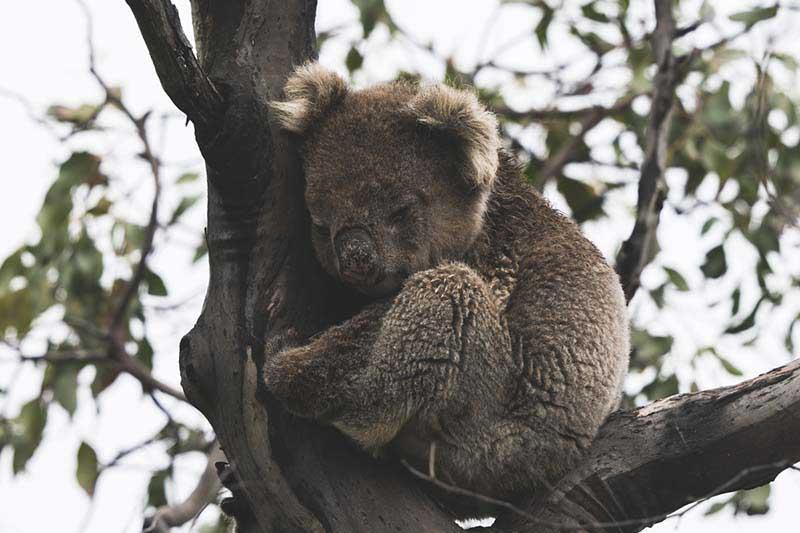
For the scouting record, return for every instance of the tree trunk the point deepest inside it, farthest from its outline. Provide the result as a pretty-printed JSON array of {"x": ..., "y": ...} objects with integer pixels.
[{"x": 293, "y": 475}]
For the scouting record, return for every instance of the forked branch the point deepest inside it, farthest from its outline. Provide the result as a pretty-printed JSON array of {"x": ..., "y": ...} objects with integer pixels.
[{"x": 176, "y": 64}]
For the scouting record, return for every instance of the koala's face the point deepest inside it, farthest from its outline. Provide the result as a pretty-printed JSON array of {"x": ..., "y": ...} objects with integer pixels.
[{"x": 394, "y": 180}]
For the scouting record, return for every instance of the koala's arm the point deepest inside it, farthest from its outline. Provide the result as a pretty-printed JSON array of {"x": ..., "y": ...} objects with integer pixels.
[
  {"x": 308, "y": 377},
  {"x": 370, "y": 375}
]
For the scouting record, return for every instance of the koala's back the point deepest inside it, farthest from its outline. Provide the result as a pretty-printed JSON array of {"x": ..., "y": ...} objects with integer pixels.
[
  {"x": 566, "y": 319},
  {"x": 563, "y": 299}
]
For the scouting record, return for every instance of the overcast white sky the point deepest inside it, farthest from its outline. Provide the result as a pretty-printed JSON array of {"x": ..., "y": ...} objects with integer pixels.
[{"x": 44, "y": 59}]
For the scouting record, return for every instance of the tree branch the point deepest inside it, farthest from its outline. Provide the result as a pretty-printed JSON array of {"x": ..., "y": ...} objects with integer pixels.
[
  {"x": 544, "y": 115},
  {"x": 205, "y": 491},
  {"x": 124, "y": 363},
  {"x": 648, "y": 462},
  {"x": 292, "y": 475},
  {"x": 176, "y": 65},
  {"x": 637, "y": 250}
]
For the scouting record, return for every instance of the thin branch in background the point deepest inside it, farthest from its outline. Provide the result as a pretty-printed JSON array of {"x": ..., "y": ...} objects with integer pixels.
[
  {"x": 76, "y": 356},
  {"x": 638, "y": 249},
  {"x": 117, "y": 351},
  {"x": 30, "y": 110},
  {"x": 127, "y": 451},
  {"x": 206, "y": 490},
  {"x": 566, "y": 115},
  {"x": 555, "y": 164}
]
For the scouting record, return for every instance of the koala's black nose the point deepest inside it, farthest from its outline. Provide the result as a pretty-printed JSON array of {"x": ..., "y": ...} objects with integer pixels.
[{"x": 358, "y": 256}]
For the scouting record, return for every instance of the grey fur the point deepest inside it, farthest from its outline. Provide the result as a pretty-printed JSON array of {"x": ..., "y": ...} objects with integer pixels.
[{"x": 498, "y": 332}]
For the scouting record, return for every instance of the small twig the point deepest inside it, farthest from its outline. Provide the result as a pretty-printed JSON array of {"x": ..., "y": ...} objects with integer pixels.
[
  {"x": 124, "y": 363},
  {"x": 126, "y": 452},
  {"x": 116, "y": 350},
  {"x": 30, "y": 110},
  {"x": 76, "y": 356},
  {"x": 563, "y": 115},
  {"x": 204, "y": 493},
  {"x": 136, "y": 369}
]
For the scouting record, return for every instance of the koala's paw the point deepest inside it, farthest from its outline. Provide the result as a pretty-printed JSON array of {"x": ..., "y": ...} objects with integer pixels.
[
  {"x": 296, "y": 375},
  {"x": 277, "y": 362}
]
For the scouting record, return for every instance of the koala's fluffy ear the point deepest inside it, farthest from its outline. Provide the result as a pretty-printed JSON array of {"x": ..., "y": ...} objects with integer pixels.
[
  {"x": 459, "y": 115},
  {"x": 310, "y": 93}
]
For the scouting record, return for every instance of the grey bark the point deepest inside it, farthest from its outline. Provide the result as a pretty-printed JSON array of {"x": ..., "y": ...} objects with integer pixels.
[{"x": 293, "y": 475}]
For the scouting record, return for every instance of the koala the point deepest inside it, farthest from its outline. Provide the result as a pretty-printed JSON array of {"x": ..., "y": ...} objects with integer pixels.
[{"x": 494, "y": 340}]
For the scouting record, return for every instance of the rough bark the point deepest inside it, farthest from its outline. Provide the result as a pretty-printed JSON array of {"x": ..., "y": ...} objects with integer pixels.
[{"x": 293, "y": 475}]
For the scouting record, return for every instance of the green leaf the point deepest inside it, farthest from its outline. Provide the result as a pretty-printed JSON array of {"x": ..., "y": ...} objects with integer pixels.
[
  {"x": 65, "y": 387},
  {"x": 144, "y": 353},
  {"x": 590, "y": 11},
  {"x": 582, "y": 199},
  {"x": 155, "y": 285},
  {"x": 354, "y": 60},
  {"x": 88, "y": 469},
  {"x": 133, "y": 238},
  {"x": 649, "y": 349},
  {"x": 752, "y": 502},
  {"x": 188, "y": 177},
  {"x": 788, "y": 341},
  {"x": 657, "y": 295},
  {"x": 200, "y": 252},
  {"x": 676, "y": 279},
  {"x": 101, "y": 208},
  {"x": 717, "y": 507},
  {"x": 726, "y": 364},
  {"x": 748, "y": 322},
  {"x": 543, "y": 25},
  {"x": 753, "y": 16},
  {"x": 708, "y": 225},
  {"x": 29, "y": 426},
  {"x": 23, "y": 451},
  {"x": 103, "y": 378},
  {"x": 372, "y": 12},
  {"x": 736, "y": 298},
  {"x": 661, "y": 388},
  {"x": 716, "y": 265},
  {"x": 593, "y": 41},
  {"x": 156, "y": 488},
  {"x": 729, "y": 367},
  {"x": 184, "y": 205},
  {"x": 80, "y": 116}
]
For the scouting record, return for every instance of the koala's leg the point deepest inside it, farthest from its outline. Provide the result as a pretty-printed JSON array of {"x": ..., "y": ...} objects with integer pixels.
[{"x": 441, "y": 350}]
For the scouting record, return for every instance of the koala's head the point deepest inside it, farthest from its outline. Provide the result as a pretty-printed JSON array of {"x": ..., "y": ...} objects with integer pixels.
[{"x": 397, "y": 176}]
